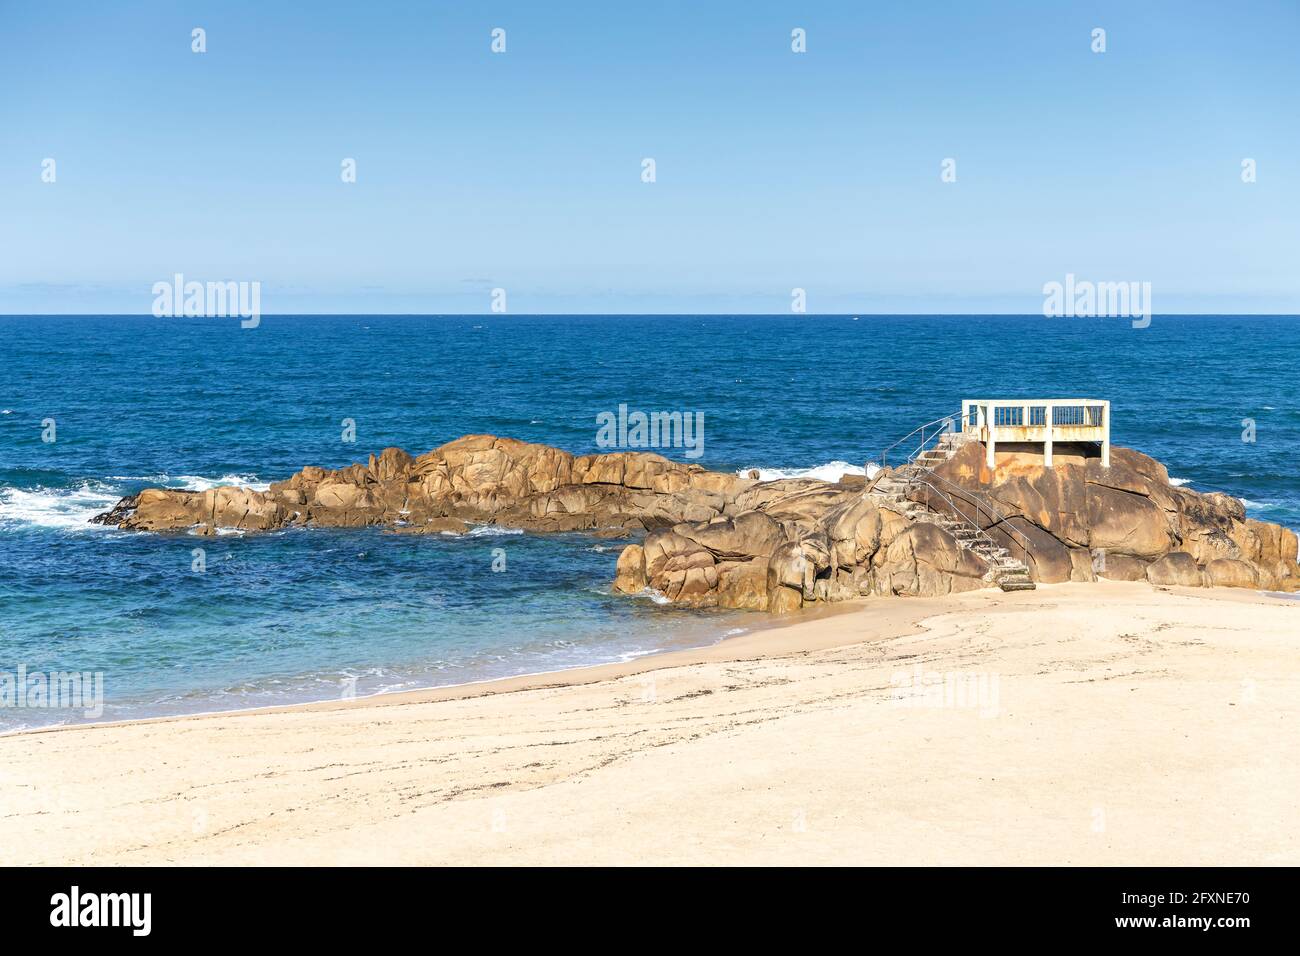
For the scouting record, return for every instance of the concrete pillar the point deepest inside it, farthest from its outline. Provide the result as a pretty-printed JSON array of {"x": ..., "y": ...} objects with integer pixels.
[
  {"x": 1047, "y": 443},
  {"x": 990, "y": 416},
  {"x": 1105, "y": 441}
]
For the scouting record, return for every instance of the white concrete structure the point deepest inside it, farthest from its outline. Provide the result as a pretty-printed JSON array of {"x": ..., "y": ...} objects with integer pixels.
[{"x": 1037, "y": 420}]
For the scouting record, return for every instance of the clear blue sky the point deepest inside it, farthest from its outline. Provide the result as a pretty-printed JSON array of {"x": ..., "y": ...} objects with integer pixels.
[{"x": 775, "y": 170}]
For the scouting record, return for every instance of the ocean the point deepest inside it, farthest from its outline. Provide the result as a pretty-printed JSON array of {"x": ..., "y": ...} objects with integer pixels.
[{"x": 317, "y": 614}]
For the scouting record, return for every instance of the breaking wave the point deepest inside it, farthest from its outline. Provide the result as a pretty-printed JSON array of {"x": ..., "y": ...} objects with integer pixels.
[
  {"x": 71, "y": 508},
  {"x": 831, "y": 471}
]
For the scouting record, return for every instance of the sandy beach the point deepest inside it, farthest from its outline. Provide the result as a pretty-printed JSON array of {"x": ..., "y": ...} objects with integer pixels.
[{"x": 1106, "y": 723}]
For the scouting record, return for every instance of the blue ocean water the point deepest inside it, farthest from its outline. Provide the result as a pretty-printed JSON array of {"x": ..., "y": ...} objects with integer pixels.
[{"x": 311, "y": 614}]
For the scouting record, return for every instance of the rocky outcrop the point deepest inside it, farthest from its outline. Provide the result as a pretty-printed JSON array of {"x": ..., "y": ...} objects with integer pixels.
[
  {"x": 1125, "y": 522},
  {"x": 856, "y": 546},
  {"x": 164, "y": 509},
  {"x": 712, "y": 539},
  {"x": 1074, "y": 522},
  {"x": 475, "y": 479}
]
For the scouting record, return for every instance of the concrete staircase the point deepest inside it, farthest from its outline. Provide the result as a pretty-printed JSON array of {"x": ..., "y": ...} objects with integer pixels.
[{"x": 1005, "y": 570}]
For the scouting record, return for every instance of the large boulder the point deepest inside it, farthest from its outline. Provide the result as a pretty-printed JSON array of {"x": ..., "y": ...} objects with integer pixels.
[
  {"x": 1120, "y": 567},
  {"x": 162, "y": 509},
  {"x": 747, "y": 535},
  {"x": 168, "y": 509},
  {"x": 743, "y": 584},
  {"x": 926, "y": 560},
  {"x": 1231, "y": 573},
  {"x": 629, "y": 573},
  {"x": 1122, "y": 522},
  {"x": 1178, "y": 569}
]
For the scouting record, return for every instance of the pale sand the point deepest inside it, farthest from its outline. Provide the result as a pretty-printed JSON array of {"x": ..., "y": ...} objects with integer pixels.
[{"x": 1130, "y": 726}]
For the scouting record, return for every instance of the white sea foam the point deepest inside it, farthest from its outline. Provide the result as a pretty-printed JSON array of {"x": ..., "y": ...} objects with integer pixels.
[
  {"x": 199, "y": 483},
  {"x": 657, "y": 596},
  {"x": 67, "y": 508},
  {"x": 72, "y": 508},
  {"x": 482, "y": 530},
  {"x": 196, "y": 482},
  {"x": 831, "y": 471},
  {"x": 1179, "y": 482}
]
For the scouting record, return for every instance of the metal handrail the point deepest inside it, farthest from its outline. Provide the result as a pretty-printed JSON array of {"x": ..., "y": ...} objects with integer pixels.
[
  {"x": 978, "y": 530},
  {"x": 948, "y": 420},
  {"x": 980, "y": 503}
]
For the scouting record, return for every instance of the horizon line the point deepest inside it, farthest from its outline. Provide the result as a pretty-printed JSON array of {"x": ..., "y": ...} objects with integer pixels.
[{"x": 615, "y": 315}]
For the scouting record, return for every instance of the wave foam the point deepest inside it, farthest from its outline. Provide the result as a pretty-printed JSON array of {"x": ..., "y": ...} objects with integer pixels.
[
  {"x": 831, "y": 471},
  {"x": 67, "y": 508},
  {"x": 72, "y": 508},
  {"x": 198, "y": 483}
]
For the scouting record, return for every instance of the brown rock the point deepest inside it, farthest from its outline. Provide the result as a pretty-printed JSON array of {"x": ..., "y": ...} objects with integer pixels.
[
  {"x": 1122, "y": 567},
  {"x": 1177, "y": 569},
  {"x": 341, "y": 496},
  {"x": 743, "y": 584},
  {"x": 629, "y": 573},
  {"x": 784, "y": 600},
  {"x": 712, "y": 538},
  {"x": 925, "y": 560},
  {"x": 1125, "y": 523},
  {"x": 1231, "y": 573},
  {"x": 787, "y": 567},
  {"x": 660, "y": 546},
  {"x": 157, "y": 509},
  {"x": 747, "y": 535}
]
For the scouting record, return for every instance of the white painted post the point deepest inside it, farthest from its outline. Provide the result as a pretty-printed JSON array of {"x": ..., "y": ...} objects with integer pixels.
[
  {"x": 1105, "y": 434},
  {"x": 990, "y": 415},
  {"x": 1047, "y": 443}
]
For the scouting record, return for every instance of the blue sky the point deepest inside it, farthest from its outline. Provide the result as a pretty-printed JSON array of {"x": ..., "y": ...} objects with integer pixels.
[{"x": 775, "y": 170}]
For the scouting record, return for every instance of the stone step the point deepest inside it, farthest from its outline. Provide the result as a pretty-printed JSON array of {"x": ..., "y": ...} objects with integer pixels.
[
  {"x": 1025, "y": 585},
  {"x": 1008, "y": 572}
]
